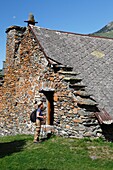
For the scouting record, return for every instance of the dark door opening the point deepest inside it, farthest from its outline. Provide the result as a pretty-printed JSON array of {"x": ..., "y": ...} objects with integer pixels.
[{"x": 50, "y": 105}]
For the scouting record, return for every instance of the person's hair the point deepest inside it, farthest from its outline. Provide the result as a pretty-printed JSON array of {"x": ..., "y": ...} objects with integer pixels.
[
  {"x": 40, "y": 104},
  {"x": 35, "y": 102}
]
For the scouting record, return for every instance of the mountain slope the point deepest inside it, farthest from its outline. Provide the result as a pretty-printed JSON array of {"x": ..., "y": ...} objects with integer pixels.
[{"x": 106, "y": 31}]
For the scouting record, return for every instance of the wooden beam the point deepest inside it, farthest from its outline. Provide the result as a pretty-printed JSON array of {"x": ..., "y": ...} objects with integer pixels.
[{"x": 49, "y": 113}]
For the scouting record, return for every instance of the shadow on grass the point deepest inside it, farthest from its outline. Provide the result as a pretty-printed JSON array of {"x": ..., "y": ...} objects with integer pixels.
[
  {"x": 45, "y": 169},
  {"x": 41, "y": 169},
  {"x": 8, "y": 148},
  {"x": 49, "y": 135}
]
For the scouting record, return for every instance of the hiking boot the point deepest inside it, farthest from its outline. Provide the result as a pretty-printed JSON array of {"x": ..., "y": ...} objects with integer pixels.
[{"x": 36, "y": 142}]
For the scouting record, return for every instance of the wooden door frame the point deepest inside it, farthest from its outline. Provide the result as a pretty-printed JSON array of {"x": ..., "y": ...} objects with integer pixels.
[{"x": 50, "y": 105}]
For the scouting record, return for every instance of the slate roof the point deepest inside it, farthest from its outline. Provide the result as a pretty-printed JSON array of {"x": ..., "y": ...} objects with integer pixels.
[{"x": 91, "y": 56}]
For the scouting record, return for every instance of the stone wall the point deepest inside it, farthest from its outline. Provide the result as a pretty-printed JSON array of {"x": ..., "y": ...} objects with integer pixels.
[
  {"x": 1, "y": 94},
  {"x": 27, "y": 71}
]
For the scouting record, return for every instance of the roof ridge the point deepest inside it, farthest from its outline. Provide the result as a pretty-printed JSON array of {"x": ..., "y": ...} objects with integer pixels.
[{"x": 67, "y": 32}]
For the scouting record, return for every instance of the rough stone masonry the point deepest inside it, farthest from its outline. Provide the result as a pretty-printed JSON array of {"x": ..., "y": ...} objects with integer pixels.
[{"x": 27, "y": 70}]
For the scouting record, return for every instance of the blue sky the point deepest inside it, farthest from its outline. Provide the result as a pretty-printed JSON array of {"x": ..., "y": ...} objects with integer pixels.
[{"x": 79, "y": 16}]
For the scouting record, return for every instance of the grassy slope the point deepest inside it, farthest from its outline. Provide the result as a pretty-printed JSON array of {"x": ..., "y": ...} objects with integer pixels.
[
  {"x": 56, "y": 153},
  {"x": 107, "y": 34},
  {"x": 106, "y": 31}
]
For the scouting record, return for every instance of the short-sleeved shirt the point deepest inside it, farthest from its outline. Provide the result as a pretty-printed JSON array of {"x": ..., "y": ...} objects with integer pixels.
[{"x": 40, "y": 114}]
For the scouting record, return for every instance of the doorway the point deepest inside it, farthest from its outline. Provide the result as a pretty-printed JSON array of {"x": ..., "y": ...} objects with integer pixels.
[{"x": 49, "y": 94}]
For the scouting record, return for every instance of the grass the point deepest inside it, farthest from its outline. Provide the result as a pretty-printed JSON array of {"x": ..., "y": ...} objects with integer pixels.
[
  {"x": 107, "y": 34},
  {"x": 20, "y": 153}
]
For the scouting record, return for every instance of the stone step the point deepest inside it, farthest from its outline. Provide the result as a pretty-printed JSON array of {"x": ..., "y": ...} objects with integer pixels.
[
  {"x": 70, "y": 73},
  {"x": 82, "y": 94},
  {"x": 64, "y": 68},
  {"x": 77, "y": 86},
  {"x": 85, "y": 101},
  {"x": 72, "y": 80},
  {"x": 90, "y": 124},
  {"x": 88, "y": 108}
]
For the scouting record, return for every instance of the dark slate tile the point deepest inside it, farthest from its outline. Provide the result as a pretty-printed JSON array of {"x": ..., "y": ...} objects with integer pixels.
[{"x": 91, "y": 56}]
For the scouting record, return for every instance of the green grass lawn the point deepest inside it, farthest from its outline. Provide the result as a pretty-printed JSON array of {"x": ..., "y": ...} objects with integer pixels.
[{"x": 20, "y": 153}]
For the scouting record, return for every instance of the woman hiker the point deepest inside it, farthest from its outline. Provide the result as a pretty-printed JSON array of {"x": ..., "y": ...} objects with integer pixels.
[{"x": 39, "y": 119}]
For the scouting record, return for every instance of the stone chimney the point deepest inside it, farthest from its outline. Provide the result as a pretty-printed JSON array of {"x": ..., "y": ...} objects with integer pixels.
[{"x": 31, "y": 19}]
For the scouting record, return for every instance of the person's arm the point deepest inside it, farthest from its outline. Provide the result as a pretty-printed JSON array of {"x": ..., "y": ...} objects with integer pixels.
[{"x": 38, "y": 115}]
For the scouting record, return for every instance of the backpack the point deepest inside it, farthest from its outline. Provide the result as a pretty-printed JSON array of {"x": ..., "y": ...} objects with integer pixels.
[{"x": 33, "y": 116}]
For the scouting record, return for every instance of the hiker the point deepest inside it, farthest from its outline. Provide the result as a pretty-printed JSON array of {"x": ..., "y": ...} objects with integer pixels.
[{"x": 39, "y": 119}]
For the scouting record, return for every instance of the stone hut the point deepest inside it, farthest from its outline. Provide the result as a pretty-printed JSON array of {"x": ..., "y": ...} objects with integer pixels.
[{"x": 72, "y": 73}]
